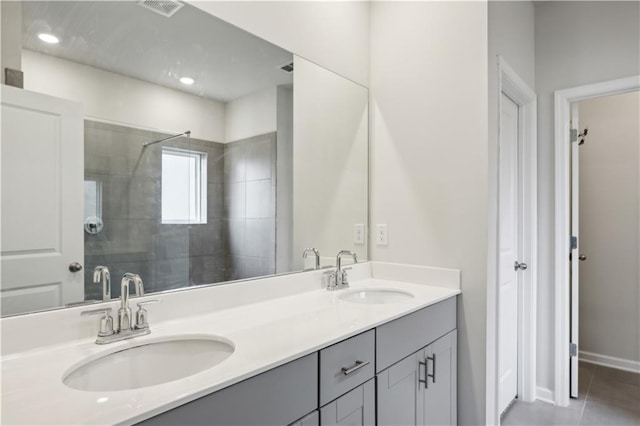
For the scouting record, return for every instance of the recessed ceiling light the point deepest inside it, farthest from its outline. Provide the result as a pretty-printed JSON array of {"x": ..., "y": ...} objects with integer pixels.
[
  {"x": 187, "y": 80},
  {"x": 49, "y": 38}
]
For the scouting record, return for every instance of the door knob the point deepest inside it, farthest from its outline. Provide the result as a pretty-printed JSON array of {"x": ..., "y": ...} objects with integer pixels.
[
  {"x": 522, "y": 266},
  {"x": 75, "y": 267},
  {"x": 582, "y": 257}
]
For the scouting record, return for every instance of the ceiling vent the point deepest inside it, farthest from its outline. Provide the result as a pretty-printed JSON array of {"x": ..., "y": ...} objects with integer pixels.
[
  {"x": 166, "y": 8},
  {"x": 287, "y": 67}
]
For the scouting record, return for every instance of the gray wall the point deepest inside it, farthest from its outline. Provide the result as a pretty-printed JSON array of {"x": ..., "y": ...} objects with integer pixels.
[
  {"x": 133, "y": 238},
  {"x": 250, "y": 207},
  {"x": 576, "y": 43},
  {"x": 609, "y": 227}
]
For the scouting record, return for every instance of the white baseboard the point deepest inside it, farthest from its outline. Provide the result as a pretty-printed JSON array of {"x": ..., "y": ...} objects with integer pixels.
[
  {"x": 610, "y": 361},
  {"x": 545, "y": 395}
]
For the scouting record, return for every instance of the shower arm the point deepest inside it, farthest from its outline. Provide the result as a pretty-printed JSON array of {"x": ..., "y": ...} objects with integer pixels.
[{"x": 187, "y": 133}]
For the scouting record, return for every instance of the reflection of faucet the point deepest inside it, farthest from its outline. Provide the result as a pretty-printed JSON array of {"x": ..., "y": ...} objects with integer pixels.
[
  {"x": 125, "y": 327},
  {"x": 315, "y": 252},
  {"x": 339, "y": 278},
  {"x": 101, "y": 273}
]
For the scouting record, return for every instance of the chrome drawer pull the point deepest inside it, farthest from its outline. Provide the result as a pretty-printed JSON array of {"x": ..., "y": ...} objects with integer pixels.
[{"x": 359, "y": 364}]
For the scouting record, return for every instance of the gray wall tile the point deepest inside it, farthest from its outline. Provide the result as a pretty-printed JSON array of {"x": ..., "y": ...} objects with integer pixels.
[
  {"x": 260, "y": 157},
  {"x": 260, "y": 200},
  {"x": 260, "y": 238},
  {"x": 235, "y": 200},
  {"x": 235, "y": 162}
]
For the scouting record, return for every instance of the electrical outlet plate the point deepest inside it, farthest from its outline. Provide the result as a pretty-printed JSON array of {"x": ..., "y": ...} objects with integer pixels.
[
  {"x": 358, "y": 233},
  {"x": 382, "y": 236}
]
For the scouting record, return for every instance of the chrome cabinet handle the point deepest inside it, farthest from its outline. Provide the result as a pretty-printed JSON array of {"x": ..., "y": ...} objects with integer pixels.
[
  {"x": 582, "y": 257},
  {"x": 359, "y": 364},
  {"x": 433, "y": 375}
]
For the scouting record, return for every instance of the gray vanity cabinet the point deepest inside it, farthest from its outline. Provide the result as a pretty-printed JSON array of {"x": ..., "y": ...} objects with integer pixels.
[
  {"x": 439, "y": 391},
  {"x": 402, "y": 373},
  {"x": 398, "y": 390},
  {"x": 312, "y": 419},
  {"x": 355, "y": 408},
  {"x": 421, "y": 389},
  {"x": 278, "y": 397}
]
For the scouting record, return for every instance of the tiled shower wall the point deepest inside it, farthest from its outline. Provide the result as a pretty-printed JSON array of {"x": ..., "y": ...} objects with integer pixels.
[
  {"x": 238, "y": 240},
  {"x": 250, "y": 207},
  {"x": 134, "y": 239}
]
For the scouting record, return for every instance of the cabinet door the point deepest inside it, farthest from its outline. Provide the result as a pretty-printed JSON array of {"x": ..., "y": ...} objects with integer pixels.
[
  {"x": 398, "y": 389},
  {"x": 354, "y": 408},
  {"x": 439, "y": 405},
  {"x": 312, "y": 419}
]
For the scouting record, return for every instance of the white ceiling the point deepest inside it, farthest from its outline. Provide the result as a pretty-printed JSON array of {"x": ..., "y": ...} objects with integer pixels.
[{"x": 123, "y": 37}]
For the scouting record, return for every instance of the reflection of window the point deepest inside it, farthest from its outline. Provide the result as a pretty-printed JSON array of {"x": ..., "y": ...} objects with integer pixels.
[
  {"x": 184, "y": 186},
  {"x": 92, "y": 198}
]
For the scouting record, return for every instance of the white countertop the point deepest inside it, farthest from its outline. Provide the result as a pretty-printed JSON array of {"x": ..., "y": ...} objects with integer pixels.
[{"x": 265, "y": 335}]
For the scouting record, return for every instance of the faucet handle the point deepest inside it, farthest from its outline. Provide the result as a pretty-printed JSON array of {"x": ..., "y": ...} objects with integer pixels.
[
  {"x": 345, "y": 277},
  {"x": 106, "y": 322},
  {"x": 141, "y": 314},
  {"x": 331, "y": 279}
]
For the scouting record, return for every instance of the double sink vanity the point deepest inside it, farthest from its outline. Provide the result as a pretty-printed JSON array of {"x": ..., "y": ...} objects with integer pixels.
[{"x": 274, "y": 351}]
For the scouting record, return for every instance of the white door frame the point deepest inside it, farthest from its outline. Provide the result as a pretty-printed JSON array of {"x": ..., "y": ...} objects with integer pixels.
[
  {"x": 515, "y": 88},
  {"x": 562, "y": 108}
]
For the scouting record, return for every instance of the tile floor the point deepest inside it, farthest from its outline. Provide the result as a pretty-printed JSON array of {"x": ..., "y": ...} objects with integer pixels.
[{"x": 607, "y": 397}]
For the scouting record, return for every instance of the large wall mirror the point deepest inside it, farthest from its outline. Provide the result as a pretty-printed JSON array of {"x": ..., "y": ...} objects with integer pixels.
[{"x": 165, "y": 142}]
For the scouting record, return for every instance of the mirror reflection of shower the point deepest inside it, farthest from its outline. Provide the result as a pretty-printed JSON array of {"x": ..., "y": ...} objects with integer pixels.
[{"x": 187, "y": 134}]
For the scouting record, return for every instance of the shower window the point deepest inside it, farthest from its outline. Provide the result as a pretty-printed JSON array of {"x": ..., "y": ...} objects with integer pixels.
[{"x": 184, "y": 186}]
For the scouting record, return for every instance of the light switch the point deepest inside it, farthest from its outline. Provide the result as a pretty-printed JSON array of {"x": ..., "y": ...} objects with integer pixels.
[{"x": 382, "y": 236}]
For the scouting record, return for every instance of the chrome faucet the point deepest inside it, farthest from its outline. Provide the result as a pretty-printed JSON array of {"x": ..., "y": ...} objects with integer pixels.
[
  {"x": 126, "y": 327},
  {"x": 124, "y": 313},
  {"x": 101, "y": 274},
  {"x": 338, "y": 279},
  {"x": 315, "y": 252}
]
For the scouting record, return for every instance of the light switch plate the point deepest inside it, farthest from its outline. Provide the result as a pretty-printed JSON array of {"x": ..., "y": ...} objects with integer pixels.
[
  {"x": 382, "y": 236},
  {"x": 358, "y": 233}
]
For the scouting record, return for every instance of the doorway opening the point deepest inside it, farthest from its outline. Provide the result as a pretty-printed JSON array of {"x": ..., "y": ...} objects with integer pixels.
[{"x": 569, "y": 133}]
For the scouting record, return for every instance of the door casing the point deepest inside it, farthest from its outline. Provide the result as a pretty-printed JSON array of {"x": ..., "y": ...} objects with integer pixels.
[
  {"x": 516, "y": 89},
  {"x": 562, "y": 301}
]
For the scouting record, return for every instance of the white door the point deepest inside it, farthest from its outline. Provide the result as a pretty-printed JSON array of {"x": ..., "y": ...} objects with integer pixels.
[
  {"x": 508, "y": 216},
  {"x": 42, "y": 191},
  {"x": 574, "y": 283}
]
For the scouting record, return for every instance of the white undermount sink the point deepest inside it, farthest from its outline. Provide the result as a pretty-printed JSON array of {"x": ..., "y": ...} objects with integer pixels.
[
  {"x": 376, "y": 296},
  {"x": 148, "y": 364}
]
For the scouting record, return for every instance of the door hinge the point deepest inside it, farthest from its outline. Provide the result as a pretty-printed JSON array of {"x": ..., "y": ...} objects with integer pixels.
[
  {"x": 573, "y": 349},
  {"x": 573, "y": 135},
  {"x": 574, "y": 242}
]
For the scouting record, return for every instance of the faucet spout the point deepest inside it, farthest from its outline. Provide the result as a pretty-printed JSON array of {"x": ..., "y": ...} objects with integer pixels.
[
  {"x": 341, "y": 279},
  {"x": 343, "y": 253},
  {"x": 124, "y": 313}
]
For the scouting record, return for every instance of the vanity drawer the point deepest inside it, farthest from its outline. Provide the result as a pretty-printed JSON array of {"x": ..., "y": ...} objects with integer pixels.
[
  {"x": 346, "y": 365},
  {"x": 404, "y": 336}
]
